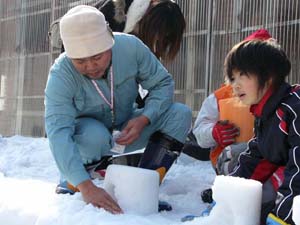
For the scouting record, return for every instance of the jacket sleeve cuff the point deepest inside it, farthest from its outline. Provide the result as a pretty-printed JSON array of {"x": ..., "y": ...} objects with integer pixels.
[
  {"x": 78, "y": 177},
  {"x": 152, "y": 116}
]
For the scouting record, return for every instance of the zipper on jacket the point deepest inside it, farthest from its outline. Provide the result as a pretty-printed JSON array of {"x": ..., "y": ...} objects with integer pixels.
[{"x": 257, "y": 127}]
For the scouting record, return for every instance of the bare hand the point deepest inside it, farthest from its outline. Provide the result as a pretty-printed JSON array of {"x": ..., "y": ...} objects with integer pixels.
[
  {"x": 98, "y": 197},
  {"x": 132, "y": 130}
]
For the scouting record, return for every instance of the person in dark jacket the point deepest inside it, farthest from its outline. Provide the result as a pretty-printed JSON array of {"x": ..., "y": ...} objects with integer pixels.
[{"x": 257, "y": 70}]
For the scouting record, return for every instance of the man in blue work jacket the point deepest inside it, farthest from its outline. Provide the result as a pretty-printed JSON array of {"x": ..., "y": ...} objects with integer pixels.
[{"x": 91, "y": 91}]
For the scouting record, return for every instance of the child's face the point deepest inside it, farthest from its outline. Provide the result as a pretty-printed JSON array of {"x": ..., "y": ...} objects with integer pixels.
[{"x": 246, "y": 87}]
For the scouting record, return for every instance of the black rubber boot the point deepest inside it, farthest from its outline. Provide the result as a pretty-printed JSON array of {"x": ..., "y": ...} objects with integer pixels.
[
  {"x": 164, "y": 206},
  {"x": 98, "y": 169},
  {"x": 160, "y": 153},
  {"x": 193, "y": 149},
  {"x": 206, "y": 195}
]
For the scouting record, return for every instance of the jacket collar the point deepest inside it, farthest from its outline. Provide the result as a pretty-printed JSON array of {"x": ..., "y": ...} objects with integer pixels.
[{"x": 270, "y": 101}]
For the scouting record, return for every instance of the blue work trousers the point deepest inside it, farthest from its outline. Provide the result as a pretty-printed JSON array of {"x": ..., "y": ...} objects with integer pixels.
[{"x": 94, "y": 140}]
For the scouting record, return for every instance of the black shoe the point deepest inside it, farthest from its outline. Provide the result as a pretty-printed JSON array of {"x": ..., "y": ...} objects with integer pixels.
[
  {"x": 164, "y": 206},
  {"x": 206, "y": 196}
]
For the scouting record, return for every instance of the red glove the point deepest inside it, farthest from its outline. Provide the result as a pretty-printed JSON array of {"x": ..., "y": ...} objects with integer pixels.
[{"x": 225, "y": 133}]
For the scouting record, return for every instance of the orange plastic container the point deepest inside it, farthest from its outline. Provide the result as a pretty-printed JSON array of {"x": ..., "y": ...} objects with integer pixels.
[{"x": 237, "y": 113}]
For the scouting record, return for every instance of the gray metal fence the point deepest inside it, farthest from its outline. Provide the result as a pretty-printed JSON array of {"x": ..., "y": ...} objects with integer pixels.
[{"x": 213, "y": 27}]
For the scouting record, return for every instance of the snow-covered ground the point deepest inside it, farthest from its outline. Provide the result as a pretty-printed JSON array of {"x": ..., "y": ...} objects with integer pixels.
[{"x": 28, "y": 177}]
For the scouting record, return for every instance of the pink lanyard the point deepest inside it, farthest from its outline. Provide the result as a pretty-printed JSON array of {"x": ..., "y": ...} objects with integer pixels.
[{"x": 111, "y": 103}]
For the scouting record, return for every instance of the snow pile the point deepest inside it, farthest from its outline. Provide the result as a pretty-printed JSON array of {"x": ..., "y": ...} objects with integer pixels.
[{"x": 28, "y": 176}]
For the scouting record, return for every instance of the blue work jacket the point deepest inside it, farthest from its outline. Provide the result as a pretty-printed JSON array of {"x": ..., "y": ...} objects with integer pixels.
[{"x": 70, "y": 95}]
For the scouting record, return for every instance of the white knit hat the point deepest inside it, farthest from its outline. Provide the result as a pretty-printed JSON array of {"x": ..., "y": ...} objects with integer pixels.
[{"x": 84, "y": 32}]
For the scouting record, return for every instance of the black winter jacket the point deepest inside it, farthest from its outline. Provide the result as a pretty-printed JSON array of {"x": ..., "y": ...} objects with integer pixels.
[{"x": 276, "y": 143}]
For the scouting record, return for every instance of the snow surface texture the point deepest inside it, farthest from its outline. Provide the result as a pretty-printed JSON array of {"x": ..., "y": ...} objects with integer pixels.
[{"x": 28, "y": 177}]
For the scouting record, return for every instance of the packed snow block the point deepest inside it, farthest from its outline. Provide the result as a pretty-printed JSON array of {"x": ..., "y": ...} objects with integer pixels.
[
  {"x": 135, "y": 189},
  {"x": 296, "y": 210},
  {"x": 238, "y": 201},
  {"x": 240, "y": 197}
]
